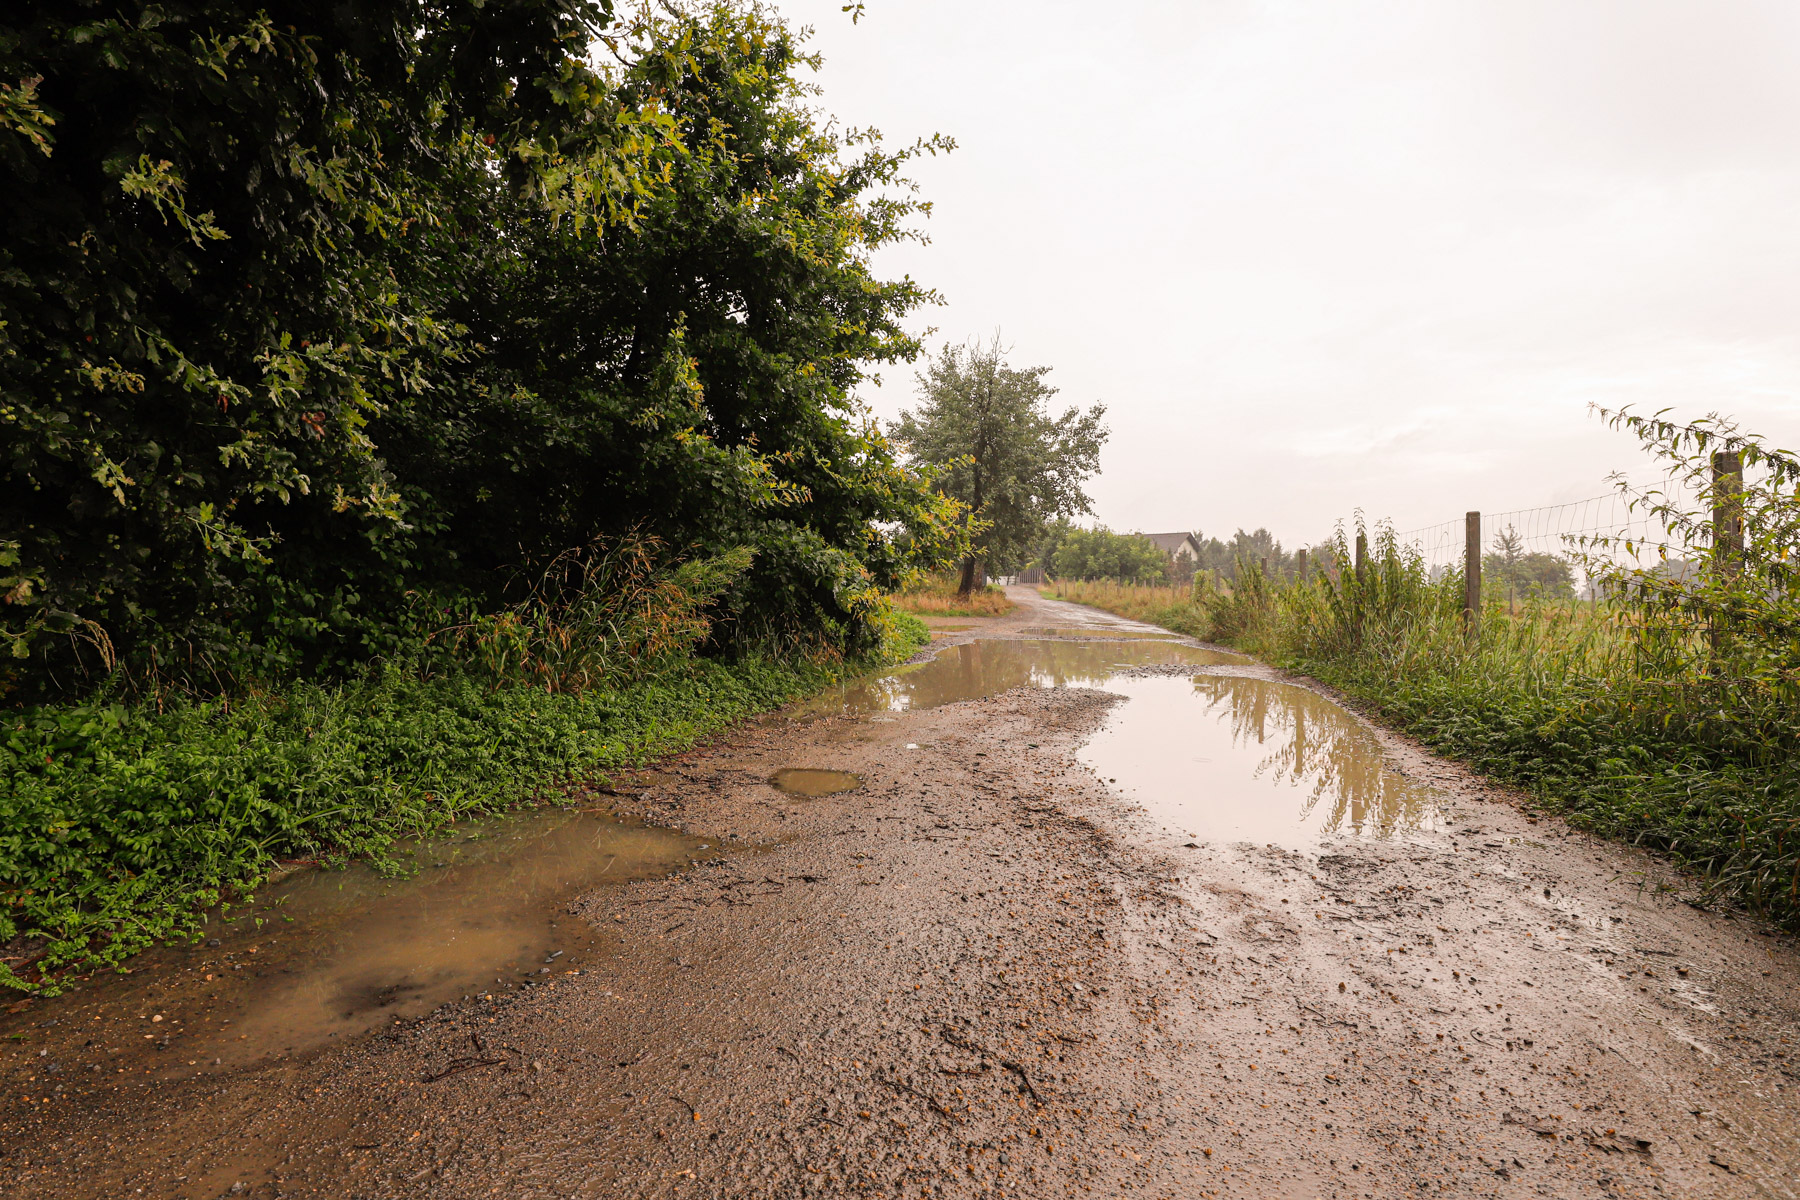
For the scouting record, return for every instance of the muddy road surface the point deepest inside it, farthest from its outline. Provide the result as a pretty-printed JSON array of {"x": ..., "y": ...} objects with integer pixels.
[{"x": 1075, "y": 908}]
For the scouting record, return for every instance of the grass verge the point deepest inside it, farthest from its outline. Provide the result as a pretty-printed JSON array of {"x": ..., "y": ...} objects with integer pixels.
[
  {"x": 120, "y": 826},
  {"x": 1170, "y": 607},
  {"x": 939, "y": 598}
]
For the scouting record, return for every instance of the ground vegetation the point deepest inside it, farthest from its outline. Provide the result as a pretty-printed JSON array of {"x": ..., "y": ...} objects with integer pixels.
[{"x": 942, "y": 596}]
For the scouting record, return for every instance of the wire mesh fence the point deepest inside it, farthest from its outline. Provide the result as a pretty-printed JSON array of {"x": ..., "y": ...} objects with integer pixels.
[{"x": 1550, "y": 547}]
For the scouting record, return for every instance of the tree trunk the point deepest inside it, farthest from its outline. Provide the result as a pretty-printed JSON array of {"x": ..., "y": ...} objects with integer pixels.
[{"x": 972, "y": 577}]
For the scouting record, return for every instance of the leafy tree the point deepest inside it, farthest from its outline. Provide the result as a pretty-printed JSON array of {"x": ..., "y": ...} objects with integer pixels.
[
  {"x": 985, "y": 428},
  {"x": 1100, "y": 553},
  {"x": 690, "y": 374},
  {"x": 1222, "y": 557},
  {"x": 309, "y": 309},
  {"x": 231, "y": 238},
  {"x": 1521, "y": 572}
]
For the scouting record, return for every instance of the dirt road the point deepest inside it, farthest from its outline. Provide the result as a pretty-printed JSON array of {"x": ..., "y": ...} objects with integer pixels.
[{"x": 1031, "y": 954}]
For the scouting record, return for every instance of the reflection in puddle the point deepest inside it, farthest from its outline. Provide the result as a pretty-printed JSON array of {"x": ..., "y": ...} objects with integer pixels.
[
  {"x": 987, "y": 668},
  {"x": 806, "y": 781},
  {"x": 1230, "y": 759},
  {"x": 1108, "y": 634},
  {"x": 326, "y": 955}
]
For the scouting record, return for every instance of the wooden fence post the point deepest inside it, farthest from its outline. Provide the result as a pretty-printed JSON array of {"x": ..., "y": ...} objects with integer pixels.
[
  {"x": 1362, "y": 553},
  {"x": 1728, "y": 512},
  {"x": 1727, "y": 528},
  {"x": 1472, "y": 574},
  {"x": 1300, "y": 563}
]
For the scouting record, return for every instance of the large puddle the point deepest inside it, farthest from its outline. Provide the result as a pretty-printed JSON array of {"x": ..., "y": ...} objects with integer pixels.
[
  {"x": 327, "y": 955},
  {"x": 987, "y": 668},
  {"x": 1211, "y": 756},
  {"x": 1231, "y": 758}
]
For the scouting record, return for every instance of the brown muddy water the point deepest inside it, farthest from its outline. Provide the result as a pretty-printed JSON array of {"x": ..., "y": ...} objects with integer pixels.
[
  {"x": 988, "y": 667},
  {"x": 326, "y": 955},
  {"x": 1219, "y": 757},
  {"x": 1234, "y": 758},
  {"x": 812, "y": 781},
  {"x": 1102, "y": 634}
]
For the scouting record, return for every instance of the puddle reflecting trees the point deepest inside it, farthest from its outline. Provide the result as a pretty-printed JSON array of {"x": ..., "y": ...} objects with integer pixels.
[
  {"x": 989, "y": 667},
  {"x": 1227, "y": 757},
  {"x": 1232, "y": 758}
]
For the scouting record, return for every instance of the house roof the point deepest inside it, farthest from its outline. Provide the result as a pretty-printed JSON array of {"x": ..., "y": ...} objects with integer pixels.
[{"x": 1169, "y": 543}]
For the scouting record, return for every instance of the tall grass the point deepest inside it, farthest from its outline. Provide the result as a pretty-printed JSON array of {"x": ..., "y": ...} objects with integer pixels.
[
  {"x": 936, "y": 596},
  {"x": 1146, "y": 602},
  {"x": 1668, "y": 716},
  {"x": 612, "y": 610}
]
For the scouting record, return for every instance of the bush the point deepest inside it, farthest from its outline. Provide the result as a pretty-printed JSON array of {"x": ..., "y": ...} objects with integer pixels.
[
  {"x": 305, "y": 314},
  {"x": 1099, "y": 553}
]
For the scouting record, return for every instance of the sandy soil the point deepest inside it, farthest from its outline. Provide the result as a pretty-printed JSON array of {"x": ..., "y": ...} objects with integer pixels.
[{"x": 982, "y": 974}]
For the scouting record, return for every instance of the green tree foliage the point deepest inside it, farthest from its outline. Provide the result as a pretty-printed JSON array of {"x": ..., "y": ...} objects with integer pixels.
[
  {"x": 1100, "y": 553},
  {"x": 1221, "y": 558},
  {"x": 986, "y": 429},
  {"x": 308, "y": 309},
  {"x": 1515, "y": 573}
]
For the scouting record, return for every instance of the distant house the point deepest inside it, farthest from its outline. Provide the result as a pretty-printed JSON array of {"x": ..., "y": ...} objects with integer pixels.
[{"x": 1180, "y": 547}]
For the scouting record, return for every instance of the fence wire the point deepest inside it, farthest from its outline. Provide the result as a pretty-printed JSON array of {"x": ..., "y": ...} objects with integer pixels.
[{"x": 1570, "y": 533}]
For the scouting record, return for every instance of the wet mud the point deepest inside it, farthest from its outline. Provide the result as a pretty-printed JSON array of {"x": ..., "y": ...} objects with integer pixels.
[
  {"x": 813, "y": 781},
  {"x": 1040, "y": 951}
]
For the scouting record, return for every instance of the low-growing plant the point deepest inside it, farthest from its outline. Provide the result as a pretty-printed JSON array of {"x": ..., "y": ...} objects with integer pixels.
[{"x": 612, "y": 610}]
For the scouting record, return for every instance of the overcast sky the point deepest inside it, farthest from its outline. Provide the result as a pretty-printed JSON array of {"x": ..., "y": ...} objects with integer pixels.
[{"x": 1315, "y": 256}]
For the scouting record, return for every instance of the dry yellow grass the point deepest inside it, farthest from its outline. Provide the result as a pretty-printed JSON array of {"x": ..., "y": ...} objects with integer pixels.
[
  {"x": 1125, "y": 599},
  {"x": 939, "y": 599}
]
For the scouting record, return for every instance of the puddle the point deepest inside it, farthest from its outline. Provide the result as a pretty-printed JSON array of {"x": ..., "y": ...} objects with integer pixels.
[
  {"x": 987, "y": 668},
  {"x": 339, "y": 953},
  {"x": 1226, "y": 758},
  {"x": 807, "y": 781},
  {"x": 1085, "y": 631}
]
